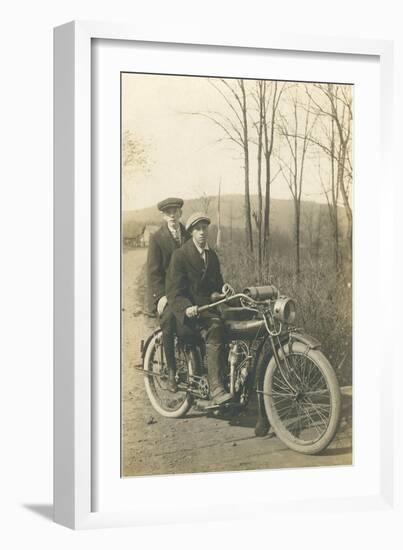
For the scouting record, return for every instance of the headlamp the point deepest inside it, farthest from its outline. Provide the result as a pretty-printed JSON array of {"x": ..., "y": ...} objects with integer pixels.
[{"x": 284, "y": 310}]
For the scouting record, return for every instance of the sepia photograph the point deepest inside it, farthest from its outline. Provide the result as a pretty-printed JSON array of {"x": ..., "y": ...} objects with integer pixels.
[{"x": 236, "y": 274}]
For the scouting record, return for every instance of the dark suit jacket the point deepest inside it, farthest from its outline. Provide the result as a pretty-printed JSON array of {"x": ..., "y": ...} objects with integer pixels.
[
  {"x": 160, "y": 249},
  {"x": 189, "y": 282}
]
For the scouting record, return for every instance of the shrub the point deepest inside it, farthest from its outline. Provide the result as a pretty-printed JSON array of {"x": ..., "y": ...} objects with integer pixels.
[{"x": 323, "y": 297}]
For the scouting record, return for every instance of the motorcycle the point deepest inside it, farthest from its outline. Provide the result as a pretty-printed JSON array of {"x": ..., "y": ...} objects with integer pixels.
[{"x": 297, "y": 390}]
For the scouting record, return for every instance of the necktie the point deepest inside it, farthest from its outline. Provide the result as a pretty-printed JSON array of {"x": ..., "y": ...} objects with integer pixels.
[{"x": 176, "y": 236}]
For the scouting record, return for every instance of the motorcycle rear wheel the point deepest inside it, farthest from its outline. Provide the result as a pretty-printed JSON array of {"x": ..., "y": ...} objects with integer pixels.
[
  {"x": 166, "y": 403},
  {"x": 302, "y": 399}
]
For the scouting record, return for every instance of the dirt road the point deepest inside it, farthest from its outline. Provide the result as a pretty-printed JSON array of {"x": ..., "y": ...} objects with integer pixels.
[{"x": 156, "y": 445}]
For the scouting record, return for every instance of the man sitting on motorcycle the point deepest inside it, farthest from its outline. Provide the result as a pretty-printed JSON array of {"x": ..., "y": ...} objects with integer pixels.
[{"x": 193, "y": 275}]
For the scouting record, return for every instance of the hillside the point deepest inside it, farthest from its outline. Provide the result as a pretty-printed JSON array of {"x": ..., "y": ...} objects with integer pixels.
[{"x": 232, "y": 213}]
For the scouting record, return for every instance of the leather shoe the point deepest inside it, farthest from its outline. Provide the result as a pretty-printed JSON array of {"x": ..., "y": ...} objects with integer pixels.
[
  {"x": 262, "y": 427},
  {"x": 220, "y": 396}
]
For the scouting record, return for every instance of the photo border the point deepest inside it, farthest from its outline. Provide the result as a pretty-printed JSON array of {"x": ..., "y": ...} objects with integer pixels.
[{"x": 73, "y": 290}]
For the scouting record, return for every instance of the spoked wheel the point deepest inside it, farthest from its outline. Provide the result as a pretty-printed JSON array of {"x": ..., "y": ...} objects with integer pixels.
[
  {"x": 171, "y": 405},
  {"x": 302, "y": 399}
]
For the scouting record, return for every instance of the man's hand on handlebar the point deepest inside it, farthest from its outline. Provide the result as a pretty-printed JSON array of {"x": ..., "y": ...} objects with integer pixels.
[
  {"x": 216, "y": 296},
  {"x": 192, "y": 311}
]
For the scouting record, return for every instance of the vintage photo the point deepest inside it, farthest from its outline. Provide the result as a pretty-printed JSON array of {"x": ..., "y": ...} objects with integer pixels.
[{"x": 236, "y": 274}]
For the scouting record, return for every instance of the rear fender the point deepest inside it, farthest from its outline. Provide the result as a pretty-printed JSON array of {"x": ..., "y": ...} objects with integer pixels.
[
  {"x": 144, "y": 345},
  {"x": 195, "y": 350}
]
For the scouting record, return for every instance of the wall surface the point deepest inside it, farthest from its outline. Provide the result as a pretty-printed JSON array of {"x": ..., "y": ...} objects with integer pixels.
[{"x": 26, "y": 274}]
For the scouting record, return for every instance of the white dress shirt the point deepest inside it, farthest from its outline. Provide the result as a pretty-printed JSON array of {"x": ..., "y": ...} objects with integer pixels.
[{"x": 202, "y": 251}]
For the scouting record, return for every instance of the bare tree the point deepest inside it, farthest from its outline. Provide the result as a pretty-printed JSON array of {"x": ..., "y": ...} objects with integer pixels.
[
  {"x": 271, "y": 98},
  {"x": 331, "y": 191},
  {"x": 318, "y": 233},
  {"x": 244, "y": 110},
  {"x": 257, "y": 214},
  {"x": 230, "y": 220},
  {"x": 235, "y": 128},
  {"x": 205, "y": 201},
  {"x": 267, "y": 97},
  {"x": 133, "y": 152},
  {"x": 334, "y": 104},
  {"x": 135, "y": 159},
  {"x": 296, "y": 128},
  {"x": 218, "y": 240},
  {"x": 313, "y": 224},
  {"x": 308, "y": 222}
]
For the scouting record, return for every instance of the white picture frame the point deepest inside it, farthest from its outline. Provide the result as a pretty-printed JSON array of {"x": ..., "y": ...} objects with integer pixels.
[{"x": 75, "y": 421}]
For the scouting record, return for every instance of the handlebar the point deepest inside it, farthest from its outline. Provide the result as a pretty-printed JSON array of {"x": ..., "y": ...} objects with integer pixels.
[
  {"x": 227, "y": 299},
  {"x": 265, "y": 300}
]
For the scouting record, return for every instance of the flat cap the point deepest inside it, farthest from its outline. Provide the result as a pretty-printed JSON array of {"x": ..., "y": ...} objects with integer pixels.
[
  {"x": 170, "y": 202},
  {"x": 195, "y": 218}
]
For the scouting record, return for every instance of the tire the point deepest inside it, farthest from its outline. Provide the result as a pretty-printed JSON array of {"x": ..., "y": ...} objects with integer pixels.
[
  {"x": 166, "y": 403},
  {"x": 302, "y": 399}
]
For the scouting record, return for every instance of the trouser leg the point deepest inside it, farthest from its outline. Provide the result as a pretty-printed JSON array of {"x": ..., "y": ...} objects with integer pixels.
[
  {"x": 214, "y": 334},
  {"x": 213, "y": 352},
  {"x": 168, "y": 339},
  {"x": 167, "y": 322},
  {"x": 262, "y": 424}
]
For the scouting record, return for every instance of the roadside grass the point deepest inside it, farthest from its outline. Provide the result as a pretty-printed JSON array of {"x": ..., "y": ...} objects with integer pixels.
[{"x": 323, "y": 298}]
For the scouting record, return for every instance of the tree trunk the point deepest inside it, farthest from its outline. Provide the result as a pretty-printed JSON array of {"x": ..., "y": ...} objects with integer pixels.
[
  {"x": 346, "y": 202},
  {"x": 230, "y": 222},
  {"x": 266, "y": 218},
  {"x": 268, "y": 148},
  {"x": 318, "y": 236},
  {"x": 335, "y": 196},
  {"x": 248, "y": 220},
  {"x": 218, "y": 241},
  {"x": 297, "y": 206},
  {"x": 259, "y": 177},
  {"x": 336, "y": 242}
]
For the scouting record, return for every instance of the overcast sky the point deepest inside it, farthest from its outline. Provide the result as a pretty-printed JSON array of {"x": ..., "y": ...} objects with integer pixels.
[{"x": 186, "y": 153}]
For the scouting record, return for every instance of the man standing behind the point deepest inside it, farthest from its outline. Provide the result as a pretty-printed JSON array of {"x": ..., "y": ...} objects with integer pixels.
[
  {"x": 170, "y": 236},
  {"x": 193, "y": 275}
]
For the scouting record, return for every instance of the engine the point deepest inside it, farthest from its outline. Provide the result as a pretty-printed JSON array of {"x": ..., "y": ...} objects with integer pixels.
[{"x": 238, "y": 361}]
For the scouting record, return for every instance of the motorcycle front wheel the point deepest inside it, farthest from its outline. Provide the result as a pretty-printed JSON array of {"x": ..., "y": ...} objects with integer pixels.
[
  {"x": 166, "y": 403},
  {"x": 302, "y": 398}
]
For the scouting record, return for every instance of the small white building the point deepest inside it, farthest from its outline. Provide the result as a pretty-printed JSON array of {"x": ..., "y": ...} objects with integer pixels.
[{"x": 148, "y": 231}]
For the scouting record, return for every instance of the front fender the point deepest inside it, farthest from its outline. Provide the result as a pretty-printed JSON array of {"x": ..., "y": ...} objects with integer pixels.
[
  {"x": 265, "y": 352},
  {"x": 304, "y": 338}
]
